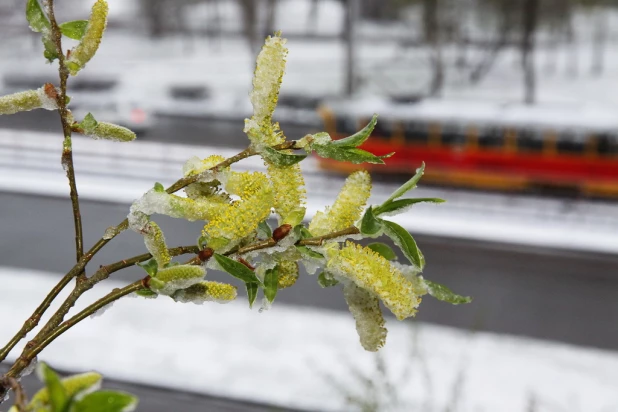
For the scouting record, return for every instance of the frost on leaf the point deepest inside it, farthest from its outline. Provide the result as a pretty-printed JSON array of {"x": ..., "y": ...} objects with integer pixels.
[
  {"x": 370, "y": 271},
  {"x": 171, "y": 279},
  {"x": 347, "y": 208},
  {"x": 365, "y": 308},
  {"x": 28, "y": 100},
  {"x": 206, "y": 291},
  {"x": 86, "y": 49}
]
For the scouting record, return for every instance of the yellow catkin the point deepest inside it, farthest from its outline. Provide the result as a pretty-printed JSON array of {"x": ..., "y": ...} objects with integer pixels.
[
  {"x": 169, "y": 280},
  {"x": 347, "y": 208},
  {"x": 241, "y": 218},
  {"x": 206, "y": 291},
  {"x": 196, "y": 165},
  {"x": 72, "y": 385},
  {"x": 89, "y": 44},
  {"x": 269, "y": 70},
  {"x": 370, "y": 271},
  {"x": 290, "y": 194},
  {"x": 288, "y": 274},
  {"x": 365, "y": 307},
  {"x": 154, "y": 239}
]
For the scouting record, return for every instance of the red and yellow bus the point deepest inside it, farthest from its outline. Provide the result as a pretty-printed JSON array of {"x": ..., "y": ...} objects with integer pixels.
[{"x": 489, "y": 146}]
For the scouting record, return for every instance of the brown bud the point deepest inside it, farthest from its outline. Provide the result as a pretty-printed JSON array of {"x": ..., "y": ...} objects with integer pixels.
[
  {"x": 146, "y": 282},
  {"x": 205, "y": 254},
  {"x": 50, "y": 91},
  {"x": 281, "y": 232},
  {"x": 247, "y": 264}
]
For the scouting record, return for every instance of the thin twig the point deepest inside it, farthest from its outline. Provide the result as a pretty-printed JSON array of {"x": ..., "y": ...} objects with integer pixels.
[
  {"x": 67, "y": 147},
  {"x": 21, "y": 400}
]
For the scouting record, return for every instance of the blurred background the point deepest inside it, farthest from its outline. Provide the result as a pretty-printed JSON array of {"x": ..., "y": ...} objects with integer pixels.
[{"x": 510, "y": 103}]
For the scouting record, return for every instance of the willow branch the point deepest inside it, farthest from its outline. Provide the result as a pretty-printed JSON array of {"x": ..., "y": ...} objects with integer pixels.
[{"x": 67, "y": 147}]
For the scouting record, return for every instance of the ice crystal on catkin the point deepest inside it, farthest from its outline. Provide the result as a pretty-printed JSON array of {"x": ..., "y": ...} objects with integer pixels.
[{"x": 365, "y": 307}]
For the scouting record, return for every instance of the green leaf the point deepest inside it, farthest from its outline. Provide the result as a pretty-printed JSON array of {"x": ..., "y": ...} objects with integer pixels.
[
  {"x": 395, "y": 205},
  {"x": 252, "y": 290},
  {"x": 444, "y": 294},
  {"x": 409, "y": 185},
  {"x": 89, "y": 123},
  {"x": 348, "y": 154},
  {"x": 58, "y": 398},
  {"x": 370, "y": 225},
  {"x": 158, "y": 187},
  {"x": 271, "y": 280},
  {"x": 74, "y": 29},
  {"x": 279, "y": 158},
  {"x": 326, "y": 280},
  {"x": 106, "y": 401},
  {"x": 151, "y": 267},
  {"x": 309, "y": 253},
  {"x": 384, "y": 250},
  {"x": 236, "y": 269},
  {"x": 202, "y": 242},
  {"x": 264, "y": 230},
  {"x": 406, "y": 243},
  {"x": 146, "y": 293},
  {"x": 36, "y": 17},
  {"x": 359, "y": 137},
  {"x": 301, "y": 232}
]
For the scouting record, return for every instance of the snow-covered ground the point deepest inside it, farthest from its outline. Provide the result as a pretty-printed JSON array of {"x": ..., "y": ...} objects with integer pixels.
[
  {"x": 114, "y": 172},
  {"x": 311, "y": 359}
]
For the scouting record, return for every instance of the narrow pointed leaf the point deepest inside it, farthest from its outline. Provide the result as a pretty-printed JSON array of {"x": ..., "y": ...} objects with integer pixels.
[
  {"x": 106, "y": 401},
  {"x": 370, "y": 225},
  {"x": 252, "y": 290},
  {"x": 402, "y": 204},
  {"x": 236, "y": 269},
  {"x": 279, "y": 158},
  {"x": 359, "y": 137},
  {"x": 405, "y": 242},
  {"x": 264, "y": 230},
  {"x": 58, "y": 398},
  {"x": 74, "y": 29},
  {"x": 409, "y": 185},
  {"x": 309, "y": 253},
  {"x": 271, "y": 280},
  {"x": 348, "y": 154},
  {"x": 444, "y": 294},
  {"x": 384, "y": 250},
  {"x": 151, "y": 267},
  {"x": 36, "y": 17}
]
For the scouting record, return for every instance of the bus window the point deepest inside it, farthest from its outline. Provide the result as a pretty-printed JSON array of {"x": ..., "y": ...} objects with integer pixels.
[
  {"x": 415, "y": 132},
  {"x": 453, "y": 135},
  {"x": 529, "y": 140},
  {"x": 491, "y": 138},
  {"x": 607, "y": 144},
  {"x": 570, "y": 143},
  {"x": 346, "y": 125}
]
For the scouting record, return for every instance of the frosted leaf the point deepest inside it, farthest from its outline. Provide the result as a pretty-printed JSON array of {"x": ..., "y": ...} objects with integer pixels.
[
  {"x": 102, "y": 310},
  {"x": 365, "y": 308}
]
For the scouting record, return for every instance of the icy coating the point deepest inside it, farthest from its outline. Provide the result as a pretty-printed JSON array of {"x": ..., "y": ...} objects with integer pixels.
[
  {"x": 370, "y": 271},
  {"x": 27, "y": 101},
  {"x": 347, "y": 208},
  {"x": 365, "y": 308},
  {"x": 169, "y": 280},
  {"x": 101, "y": 311},
  {"x": 88, "y": 46},
  {"x": 206, "y": 291}
]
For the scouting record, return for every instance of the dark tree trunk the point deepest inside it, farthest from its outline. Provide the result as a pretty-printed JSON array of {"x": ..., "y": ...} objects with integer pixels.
[{"x": 529, "y": 23}]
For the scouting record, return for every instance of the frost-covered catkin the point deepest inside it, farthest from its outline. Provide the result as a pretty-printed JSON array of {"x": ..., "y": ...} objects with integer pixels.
[
  {"x": 290, "y": 193},
  {"x": 347, "y": 208},
  {"x": 88, "y": 46},
  {"x": 288, "y": 274},
  {"x": 206, "y": 291},
  {"x": 155, "y": 243},
  {"x": 372, "y": 272},
  {"x": 365, "y": 308},
  {"x": 269, "y": 69},
  {"x": 171, "y": 279},
  {"x": 28, "y": 100},
  {"x": 110, "y": 131},
  {"x": 239, "y": 219}
]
